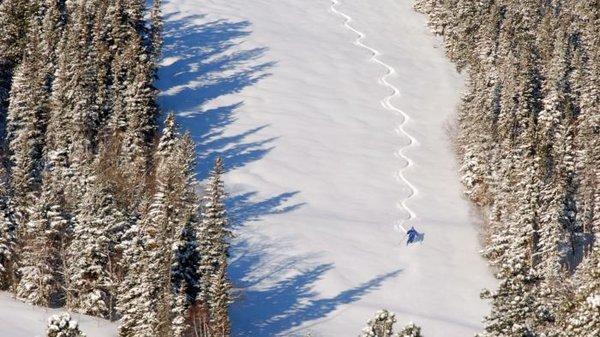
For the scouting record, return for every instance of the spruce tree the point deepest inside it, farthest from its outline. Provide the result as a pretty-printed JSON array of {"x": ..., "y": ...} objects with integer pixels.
[
  {"x": 166, "y": 250},
  {"x": 411, "y": 330},
  {"x": 38, "y": 283},
  {"x": 584, "y": 320},
  {"x": 7, "y": 237},
  {"x": 214, "y": 230},
  {"x": 42, "y": 245},
  {"x": 220, "y": 299},
  {"x": 132, "y": 297},
  {"x": 63, "y": 325},
  {"x": 156, "y": 31},
  {"x": 89, "y": 254},
  {"x": 382, "y": 325},
  {"x": 26, "y": 119},
  {"x": 15, "y": 16}
]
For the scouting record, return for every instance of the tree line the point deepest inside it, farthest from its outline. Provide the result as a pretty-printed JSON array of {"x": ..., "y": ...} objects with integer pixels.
[
  {"x": 528, "y": 141},
  {"x": 100, "y": 210}
]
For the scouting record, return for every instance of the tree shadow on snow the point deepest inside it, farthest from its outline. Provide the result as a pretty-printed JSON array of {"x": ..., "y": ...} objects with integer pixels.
[
  {"x": 242, "y": 208},
  {"x": 202, "y": 62},
  {"x": 280, "y": 307},
  {"x": 275, "y": 290}
]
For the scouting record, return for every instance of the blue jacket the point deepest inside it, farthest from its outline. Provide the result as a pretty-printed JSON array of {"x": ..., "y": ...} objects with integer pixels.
[{"x": 412, "y": 235}]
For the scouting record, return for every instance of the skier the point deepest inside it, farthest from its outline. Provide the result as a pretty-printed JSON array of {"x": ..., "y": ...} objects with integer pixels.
[{"x": 413, "y": 236}]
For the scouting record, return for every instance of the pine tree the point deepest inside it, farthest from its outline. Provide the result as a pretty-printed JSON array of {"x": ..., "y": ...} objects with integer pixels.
[
  {"x": 135, "y": 110},
  {"x": 132, "y": 297},
  {"x": 382, "y": 325},
  {"x": 179, "y": 322},
  {"x": 73, "y": 121},
  {"x": 220, "y": 299},
  {"x": 7, "y": 237},
  {"x": 38, "y": 283},
  {"x": 214, "y": 231},
  {"x": 14, "y": 23},
  {"x": 411, "y": 330},
  {"x": 53, "y": 23},
  {"x": 584, "y": 320},
  {"x": 42, "y": 245},
  {"x": 167, "y": 249},
  {"x": 89, "y": 254},
  {"x": 516, "y": 309},
  {"x": 156, "y": 31},
  {"x": 140, "y": 108},
  {"x": 101, "y": 57},
  {"x": 26, "y": 119},
  {"x": 63, "y": 325}
]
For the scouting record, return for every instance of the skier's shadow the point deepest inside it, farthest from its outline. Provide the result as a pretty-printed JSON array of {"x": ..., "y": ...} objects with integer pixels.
[{"x": 419, "y": 237}]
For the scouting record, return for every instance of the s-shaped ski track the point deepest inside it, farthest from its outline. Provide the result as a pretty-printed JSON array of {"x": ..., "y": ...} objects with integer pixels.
[{"x": 387, "y": 104}]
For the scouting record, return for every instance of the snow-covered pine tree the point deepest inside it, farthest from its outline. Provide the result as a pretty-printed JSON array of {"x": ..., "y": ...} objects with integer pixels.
[
  {"x": 179, "y": 314},
  {"x": 168, "y": 244},
  {"x": 131, "y": 296},
  {"x": 588, "y": 140},
  {"x": 410, "y": 330},
  {"x": 156, "y": 31},
  {"x": 157, "y": 252},
  {"x": 382, "y": 325},
  {"x": 141, "y": 110},
  {"x": 26, "y": 120},
  {"x": 62, "y": 325},
  {"x": 101, "y": 58},
  {"x": 7, "y": 236},
  {"x": 42, "y": 244},
  {"x": 89, "y": 252},
  {"x": 584, "y": 320},
  {"x": 474, "y": 139},
  {"x": 185, "y": 281},
  {"x": 14, "y": 23},
  {"x": 555, "y": 230},
  {"x": 220, "y": 299},
  {"x": 142, "y": 297},
  {"x": 53, "y": 24},
  {"x": 186, "y": 257},
  {"x": 214, "y": 231},
  {"x": 516, "y": 307},
  {"x": 161, "y": 225},
  {"x": 186, "y": 253},
  {"x": 80, "y": 100},
  {"x": 38, "y": 283},
  {"x": 73, "y": 121}
]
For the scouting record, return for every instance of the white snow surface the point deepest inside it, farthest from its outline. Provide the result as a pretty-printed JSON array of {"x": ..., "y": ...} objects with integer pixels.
[
  {"x": 317, "y": 146},
  {"x": 18, "y": 319},
  {"x": 299, "y": 99},
  {"x": 313, "y": 110}
]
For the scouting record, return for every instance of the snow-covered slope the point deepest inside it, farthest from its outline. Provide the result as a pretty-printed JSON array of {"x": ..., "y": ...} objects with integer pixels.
[
  {"x": 21, "y": 320},
  {"x": 316, "y": 160}
]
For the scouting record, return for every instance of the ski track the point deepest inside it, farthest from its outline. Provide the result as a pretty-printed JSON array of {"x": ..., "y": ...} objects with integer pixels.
[{"x": 388, "y": 105}]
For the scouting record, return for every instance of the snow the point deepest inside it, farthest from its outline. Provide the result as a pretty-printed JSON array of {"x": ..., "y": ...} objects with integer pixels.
[
  {"x": 18, "y": 319},
  {"x": 316, "y": 158},
  {"x": 320, "y": 167}
]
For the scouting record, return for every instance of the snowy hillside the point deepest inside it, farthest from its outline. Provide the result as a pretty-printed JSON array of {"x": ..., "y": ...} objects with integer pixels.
[
  {"x": 22, "y": 320},
  {"x": 330, "y": 117},
  {"x": 317, "y": 161}
]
